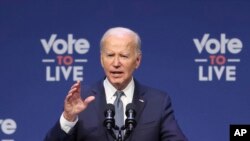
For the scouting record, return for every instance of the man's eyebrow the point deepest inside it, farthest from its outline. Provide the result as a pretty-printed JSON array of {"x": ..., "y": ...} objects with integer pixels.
[
  {"x": 125, "y": 53},
  {"x": 108, "y": 51}
]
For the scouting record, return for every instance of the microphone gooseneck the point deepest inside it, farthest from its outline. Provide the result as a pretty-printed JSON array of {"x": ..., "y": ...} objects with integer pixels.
[
  {"x": 109, "y": 114},
  {"x": 109, "y": 121},
  {"x": 130, "y": 122}
]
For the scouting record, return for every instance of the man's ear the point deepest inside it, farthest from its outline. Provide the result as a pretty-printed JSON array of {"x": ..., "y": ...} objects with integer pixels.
[
  {"x": 101, "y": 59},
  {"x": 138, "y": 60}
]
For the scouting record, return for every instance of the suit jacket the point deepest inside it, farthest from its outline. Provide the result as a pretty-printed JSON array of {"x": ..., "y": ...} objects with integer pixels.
[{"x": 154, "y": 116}]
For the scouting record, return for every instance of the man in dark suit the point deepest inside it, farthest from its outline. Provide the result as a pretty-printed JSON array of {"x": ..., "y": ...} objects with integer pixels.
[{"x": 83, "y": 116}]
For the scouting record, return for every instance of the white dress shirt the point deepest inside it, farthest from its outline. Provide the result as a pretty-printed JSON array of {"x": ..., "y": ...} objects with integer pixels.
[{"x": 110, "y": 90}]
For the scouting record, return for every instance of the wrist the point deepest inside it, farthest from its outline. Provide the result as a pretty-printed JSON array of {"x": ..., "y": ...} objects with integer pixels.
[{"x": 69, "y": 117}]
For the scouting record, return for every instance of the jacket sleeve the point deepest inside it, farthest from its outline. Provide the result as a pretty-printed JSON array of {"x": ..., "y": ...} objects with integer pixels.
[
  {"x": 170, "y": 130},
  {"x": 57, "y": 134}
]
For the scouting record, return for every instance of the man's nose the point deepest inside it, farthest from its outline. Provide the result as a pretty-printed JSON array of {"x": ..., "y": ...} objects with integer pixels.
[{"x": 116, "y": 61}]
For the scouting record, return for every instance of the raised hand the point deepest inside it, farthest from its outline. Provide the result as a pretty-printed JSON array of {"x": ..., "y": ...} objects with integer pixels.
[{"x": 74, "y": 104}]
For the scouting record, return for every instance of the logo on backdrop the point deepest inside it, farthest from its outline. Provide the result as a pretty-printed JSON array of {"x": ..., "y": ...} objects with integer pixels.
[
  {"x": 61, "y": 62},
  {"x": 217, "y": 57},
  {"x": 7, "y": 128}
]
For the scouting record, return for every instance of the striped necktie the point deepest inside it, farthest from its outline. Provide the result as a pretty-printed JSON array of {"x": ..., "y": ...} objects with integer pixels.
[{"x": 119, "y": 114}]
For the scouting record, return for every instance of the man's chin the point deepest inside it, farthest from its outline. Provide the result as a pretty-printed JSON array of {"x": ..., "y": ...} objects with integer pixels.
[{"x": 116, "y": 83}]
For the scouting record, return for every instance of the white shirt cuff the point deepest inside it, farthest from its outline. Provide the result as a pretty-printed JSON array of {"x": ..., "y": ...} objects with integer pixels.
[{"x": 66, "y": 125}]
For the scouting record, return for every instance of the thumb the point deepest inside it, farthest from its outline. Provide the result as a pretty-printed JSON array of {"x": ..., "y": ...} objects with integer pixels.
[{"x": 89, "y": 100}]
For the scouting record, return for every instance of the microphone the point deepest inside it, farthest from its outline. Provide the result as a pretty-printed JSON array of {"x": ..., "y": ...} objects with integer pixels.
[
  {"x": 130, "y": 122},
  {"x": 109, "y": 114}
]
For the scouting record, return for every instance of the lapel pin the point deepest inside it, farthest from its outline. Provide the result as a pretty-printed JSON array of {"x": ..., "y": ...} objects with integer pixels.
[{"x": 141, "y": 100}]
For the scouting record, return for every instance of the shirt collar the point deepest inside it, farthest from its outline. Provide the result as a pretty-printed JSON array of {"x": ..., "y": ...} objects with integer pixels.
[{"x": 110, "y": 89}]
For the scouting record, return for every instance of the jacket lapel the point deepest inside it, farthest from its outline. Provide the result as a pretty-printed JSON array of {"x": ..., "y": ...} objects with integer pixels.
[
  {"x": 100, "y": 106},
  {"x": 139, "y": 102}
]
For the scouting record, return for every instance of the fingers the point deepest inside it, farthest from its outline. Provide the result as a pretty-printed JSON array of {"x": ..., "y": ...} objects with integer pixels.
[
  {"x": 76, "y": 88},
  {"x": 74, "y": 91},
  {"x": 74, "y": 95},
  {"x": 77, "y": 85}
]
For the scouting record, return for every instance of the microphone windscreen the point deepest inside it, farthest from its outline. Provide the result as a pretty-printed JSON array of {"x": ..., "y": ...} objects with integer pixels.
[
  {"x": 110, "y": 107},
  {"x": 130, "y": 106}
]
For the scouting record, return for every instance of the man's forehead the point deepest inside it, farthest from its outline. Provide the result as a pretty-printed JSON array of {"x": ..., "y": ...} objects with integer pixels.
[
  {"x": 122, "y": 50},
  {"x": 122, "y": 42}
]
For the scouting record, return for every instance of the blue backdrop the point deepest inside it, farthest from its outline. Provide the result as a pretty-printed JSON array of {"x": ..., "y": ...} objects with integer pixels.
[{"x": 197, "y": 51}]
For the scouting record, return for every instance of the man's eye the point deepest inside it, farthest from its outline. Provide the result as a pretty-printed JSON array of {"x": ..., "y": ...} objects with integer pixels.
[
  {"x": 110, "y": 55},
  {"x": 124, "y": 56}
]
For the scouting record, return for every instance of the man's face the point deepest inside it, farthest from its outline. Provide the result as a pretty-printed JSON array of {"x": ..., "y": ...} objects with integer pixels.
[{"x": 119, "y": 59}]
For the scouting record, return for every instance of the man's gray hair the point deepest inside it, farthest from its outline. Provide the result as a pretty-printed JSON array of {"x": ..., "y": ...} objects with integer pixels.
[{"x": 122, "y": 30}]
